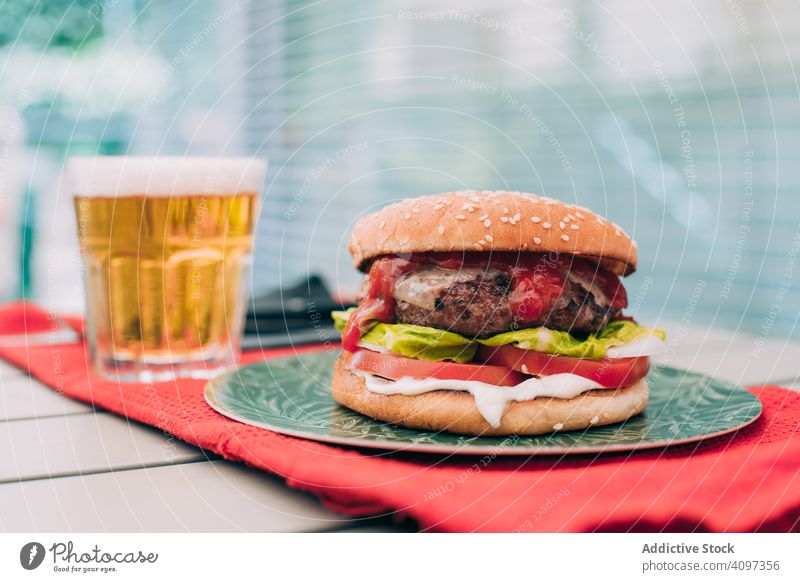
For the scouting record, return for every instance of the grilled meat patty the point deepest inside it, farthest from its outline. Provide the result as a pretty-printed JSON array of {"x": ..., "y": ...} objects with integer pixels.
[{"x": 475, "y": 303}]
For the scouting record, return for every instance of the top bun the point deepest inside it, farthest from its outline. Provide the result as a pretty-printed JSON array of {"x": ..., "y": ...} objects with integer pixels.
[{"x": 474, "y": 220}]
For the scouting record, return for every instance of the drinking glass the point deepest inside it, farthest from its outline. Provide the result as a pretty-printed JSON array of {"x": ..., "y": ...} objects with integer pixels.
[{"x": 166, "y": 244}]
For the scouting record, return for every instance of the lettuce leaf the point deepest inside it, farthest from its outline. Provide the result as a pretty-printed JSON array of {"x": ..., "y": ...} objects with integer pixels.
[
  {"x": 428, "y": 343},
  {"x": 562, "y": 343},
  {"x": 414, "y": 341},
  {"x": 340, "y": 318}
]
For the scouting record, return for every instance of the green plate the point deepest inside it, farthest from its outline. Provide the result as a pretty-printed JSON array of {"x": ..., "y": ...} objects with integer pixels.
[{"x": 292, "y": 396}]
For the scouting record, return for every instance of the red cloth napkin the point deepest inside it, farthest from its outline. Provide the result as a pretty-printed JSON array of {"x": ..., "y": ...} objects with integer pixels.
[
  {"x": 749, "y": 481},
  {"x": 19, "y": 318}
]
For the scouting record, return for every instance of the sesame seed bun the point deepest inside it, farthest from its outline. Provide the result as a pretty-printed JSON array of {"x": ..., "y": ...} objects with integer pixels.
[
  {"x": 491, "y": 221},
  {"x": 444, "y": 410}
]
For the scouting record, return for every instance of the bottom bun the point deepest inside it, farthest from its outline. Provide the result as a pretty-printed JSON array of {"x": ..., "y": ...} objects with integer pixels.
[{"x": 445, "y": 410}]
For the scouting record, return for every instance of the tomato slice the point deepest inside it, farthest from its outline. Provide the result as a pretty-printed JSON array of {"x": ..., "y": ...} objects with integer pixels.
[
  {"x": 396, "y": 367},
  {"x": 610, "y": 373}
]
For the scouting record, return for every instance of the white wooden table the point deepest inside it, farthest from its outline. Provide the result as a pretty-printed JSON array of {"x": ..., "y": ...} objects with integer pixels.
[{"x": 67, "y": 467}]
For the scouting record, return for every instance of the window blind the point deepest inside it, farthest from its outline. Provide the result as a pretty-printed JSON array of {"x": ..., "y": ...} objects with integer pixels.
[{"x": 679, "y": 121}]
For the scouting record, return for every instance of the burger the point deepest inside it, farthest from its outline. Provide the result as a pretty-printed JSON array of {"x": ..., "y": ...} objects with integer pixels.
[{"x": 492, "y": 313}]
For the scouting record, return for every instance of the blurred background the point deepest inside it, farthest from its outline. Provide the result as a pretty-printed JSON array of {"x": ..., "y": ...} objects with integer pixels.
[{"x": 678, "y": 120}]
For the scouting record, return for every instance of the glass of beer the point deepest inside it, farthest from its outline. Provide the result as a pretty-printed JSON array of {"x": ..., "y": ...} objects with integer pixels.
[{"x": 166, "y": 244}]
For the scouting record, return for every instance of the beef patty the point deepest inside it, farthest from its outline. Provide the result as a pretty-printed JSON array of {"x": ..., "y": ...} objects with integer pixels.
[{"x": 475, "y": 303}]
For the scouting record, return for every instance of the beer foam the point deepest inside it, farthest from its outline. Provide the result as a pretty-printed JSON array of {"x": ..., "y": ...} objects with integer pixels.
[{"x": 98, "y": 176}]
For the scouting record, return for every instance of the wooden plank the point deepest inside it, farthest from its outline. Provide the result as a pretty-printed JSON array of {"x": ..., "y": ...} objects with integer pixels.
[
  {"x": 731, "y": 355},
  {"x": 7, "y": 371},
  {"x": 23, "y": 397},
  {"x": 745, "y": 361},
  {"x": 687, "y": 339},
  {"x": 217, "y": 496},
  {"x": 84, "y": 443},
  {"x": 792, "y": 383}
]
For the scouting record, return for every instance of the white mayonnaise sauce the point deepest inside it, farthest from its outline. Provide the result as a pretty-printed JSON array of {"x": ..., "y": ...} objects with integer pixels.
[
  {"x": 649, "y": 345},
  {"x": 490, "y": 400}
]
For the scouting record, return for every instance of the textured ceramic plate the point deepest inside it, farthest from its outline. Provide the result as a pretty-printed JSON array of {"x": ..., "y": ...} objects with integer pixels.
[{"x": 292, "y": 396}]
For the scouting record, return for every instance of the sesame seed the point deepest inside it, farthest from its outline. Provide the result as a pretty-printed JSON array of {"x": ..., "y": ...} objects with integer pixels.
[
  {"x": 415, "y": 209},
  {"x": 489, "y": 237},
  {"x": 537, "y": 240},
  {"x": 470, "y": 209},
  {"x": 566, "y": 218},
  {"x": 504, "y": 219},
  {"x": 460, "y": 217},
  {"x": 438, "y": 206},
  {"x": 525, "y": 369},
  {"x": 484, "y": 217},
  {"x": 573, "y": 226},
  {"x": 535, "y": 219},
  {"x": 546, "y": 225},
  {"x": 561, "y": 225},
  {"x": 594, "y": 420},
  {"x": 558, "y": 426},
  {"x": 579, "y": 215},
  {"x": 406, "y": 216},
  {"x": 478, "y": 246},
  {"x": 564, "y": 237},
  {"x": 517, "y": 216},
  {"x": 487, "y": 223},
  {"x": 441, "y": 229},
  {"x": 505, "y": 210}
]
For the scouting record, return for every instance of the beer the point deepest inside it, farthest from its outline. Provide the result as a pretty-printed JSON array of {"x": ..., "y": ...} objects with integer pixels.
[{"x": 166, "y": 246}]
